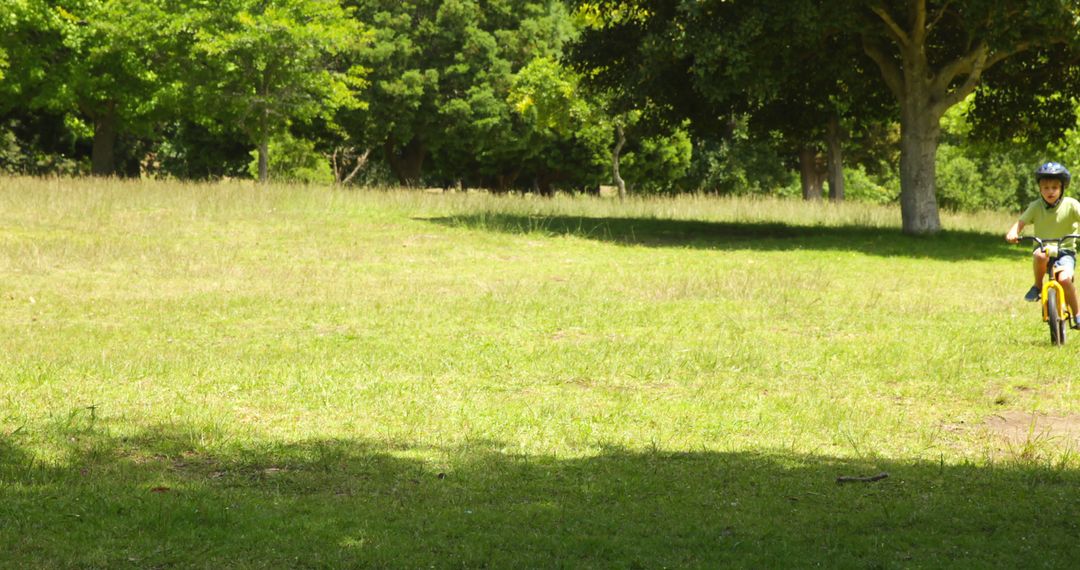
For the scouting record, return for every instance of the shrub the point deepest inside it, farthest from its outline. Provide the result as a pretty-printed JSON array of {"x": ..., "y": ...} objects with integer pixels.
[
  {"x": 861, "y": 187},
  {"x": 967, "y": 181},
  {"x": 294, "y": 160}
]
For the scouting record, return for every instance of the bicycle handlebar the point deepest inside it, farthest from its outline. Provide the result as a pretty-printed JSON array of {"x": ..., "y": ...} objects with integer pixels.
[{"x": 1043, "y": 242}]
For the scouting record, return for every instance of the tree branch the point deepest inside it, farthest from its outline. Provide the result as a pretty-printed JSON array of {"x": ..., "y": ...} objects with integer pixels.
[
  {"x": 895, "y": 30},
  {"x": 851, "y": 479},
  {"x": 953, "y": 97},
  {"x": 973, "y": 64},
  {"x": 361, "y": 161},
  {"x": 918, "y": 22},
  {"x": 961, "y": 65},
  {"x": 889, "y": 70},
  {"x": 937, "y": 17},
  {"x": 997, "y": 56}
]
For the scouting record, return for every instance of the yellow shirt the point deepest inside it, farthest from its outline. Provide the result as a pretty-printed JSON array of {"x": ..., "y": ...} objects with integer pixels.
[{"x": 1052, "y": 223}]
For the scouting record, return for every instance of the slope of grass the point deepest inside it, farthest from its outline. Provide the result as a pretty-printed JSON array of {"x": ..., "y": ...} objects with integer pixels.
[{"x": 230, "y": 376}]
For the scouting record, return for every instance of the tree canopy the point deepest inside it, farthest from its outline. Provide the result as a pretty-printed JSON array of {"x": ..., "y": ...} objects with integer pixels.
[
  {"x": 539, "y": 95},
  {"x": 750, "y": 56},
  {"x": 262, "y": 65}
]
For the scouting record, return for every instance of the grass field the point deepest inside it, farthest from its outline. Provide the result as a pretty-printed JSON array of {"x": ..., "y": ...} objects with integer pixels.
[{"x": 225, "y": 376}]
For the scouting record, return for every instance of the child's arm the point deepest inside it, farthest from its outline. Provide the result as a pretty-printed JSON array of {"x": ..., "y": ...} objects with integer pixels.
[{"x": 1013, "y": 235}]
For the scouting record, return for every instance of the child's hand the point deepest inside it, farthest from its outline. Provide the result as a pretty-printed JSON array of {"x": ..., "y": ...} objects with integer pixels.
[{"x": 1013, "y": 235}]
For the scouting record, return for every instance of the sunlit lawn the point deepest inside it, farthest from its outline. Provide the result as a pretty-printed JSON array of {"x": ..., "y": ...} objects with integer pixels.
[{"x": 230, "y": 376}]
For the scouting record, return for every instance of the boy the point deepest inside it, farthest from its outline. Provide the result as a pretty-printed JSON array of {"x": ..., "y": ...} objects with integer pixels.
[{"x": 1053, "y": 216}]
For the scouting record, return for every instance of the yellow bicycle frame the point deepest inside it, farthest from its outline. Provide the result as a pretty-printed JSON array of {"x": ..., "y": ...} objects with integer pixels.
[{"x": 1063, "y": 309}]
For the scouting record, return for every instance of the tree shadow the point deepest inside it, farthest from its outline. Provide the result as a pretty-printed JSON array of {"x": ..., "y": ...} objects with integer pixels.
[
  {"x": 160, "y": 499},
  {"x": 765, "y": 236}
]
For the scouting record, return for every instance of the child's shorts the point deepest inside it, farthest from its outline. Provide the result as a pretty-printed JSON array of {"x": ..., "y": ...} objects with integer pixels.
[{"x": 1066, "y": 261}]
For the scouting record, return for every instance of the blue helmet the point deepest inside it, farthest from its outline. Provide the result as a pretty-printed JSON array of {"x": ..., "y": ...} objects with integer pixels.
[{"x": 1054, "y": 170}]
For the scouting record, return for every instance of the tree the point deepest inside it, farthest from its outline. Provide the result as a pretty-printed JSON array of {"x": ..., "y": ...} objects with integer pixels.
[
  {"x": 818, "y": 106},
  {"x": 441, "y": 75},
  {"x": 714, "y": 62},
  {"x": 634, "y": 67},
  {"x": 93, "y": 61},
  {"x": 930, "y": 54},
  {"x": 562, "y": 133},
  {"x": 263, "y": 64}
]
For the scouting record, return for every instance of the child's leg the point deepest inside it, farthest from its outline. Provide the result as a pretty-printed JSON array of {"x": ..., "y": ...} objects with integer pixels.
[
  {"x": 1064, "y": 271},
  {"x": 1039, "y": 259},
  {"x": 1070, "y": 290}
]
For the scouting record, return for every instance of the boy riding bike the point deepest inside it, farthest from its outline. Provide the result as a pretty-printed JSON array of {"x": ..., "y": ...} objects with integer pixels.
[{"x": 1053, "y": 216}]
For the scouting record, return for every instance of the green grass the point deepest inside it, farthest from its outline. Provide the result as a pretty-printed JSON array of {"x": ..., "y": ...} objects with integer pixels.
[{"x": 222, "y": 376}]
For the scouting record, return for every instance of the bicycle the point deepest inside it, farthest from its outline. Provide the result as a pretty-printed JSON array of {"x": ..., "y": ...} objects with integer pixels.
[{"x": 1056, "y": 312}]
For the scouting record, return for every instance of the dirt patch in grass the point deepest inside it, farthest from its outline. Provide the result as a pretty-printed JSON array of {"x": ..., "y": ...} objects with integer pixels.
[{"x": 1017, "y": 427}]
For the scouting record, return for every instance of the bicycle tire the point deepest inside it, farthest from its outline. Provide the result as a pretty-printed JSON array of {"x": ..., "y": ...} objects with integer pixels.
[{"x": 1053, "y": 318}]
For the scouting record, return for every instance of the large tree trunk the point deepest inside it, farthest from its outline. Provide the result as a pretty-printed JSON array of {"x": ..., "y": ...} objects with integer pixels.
[
  {"x": 103, "y": 153},
  {"x": 920, "y": 130},
  {"x": 810, "y": 173},
  {"x": 406, "y": 164},
  {"x": 835, "y": 152},
  {"x": 620, "y": 140}
]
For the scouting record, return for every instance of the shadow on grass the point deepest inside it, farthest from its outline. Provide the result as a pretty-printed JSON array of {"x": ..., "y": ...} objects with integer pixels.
[
  {"x": 649, "y": 232},
  {"x": 159, "y": 500}
]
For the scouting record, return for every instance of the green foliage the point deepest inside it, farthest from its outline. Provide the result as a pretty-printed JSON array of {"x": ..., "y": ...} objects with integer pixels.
[
  {"x": 795, "y": 67},
  {"x": 860, "y": 186},
  {"x": 42, "y": 143},
  {"x": 193, "y": 151},
  {"x": 563, "y": 135},
  {"x": 958, "y": 180},
  {"x": 1028, "y": 100},
  {"x": 24, "y": 153},
  {"x": 738, "y": 164},
  {"x": 658, "y": 164},
  {"x": 547, "y": 96},
  {"x": 294, "y": 160},
  {"x": 1065, "y": 150},
  {"x": 263, "y": 64},
  {"x": 107, "y": 69},
  {"x": 968, "y": 180},
  {"x": 442, "y": 72},
  {"x": 9, "y": 21},
  {"x": 974, "y": 175}
]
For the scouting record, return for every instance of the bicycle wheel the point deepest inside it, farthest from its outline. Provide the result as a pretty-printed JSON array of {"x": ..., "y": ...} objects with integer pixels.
[{"x": 1057, "y": 324}]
